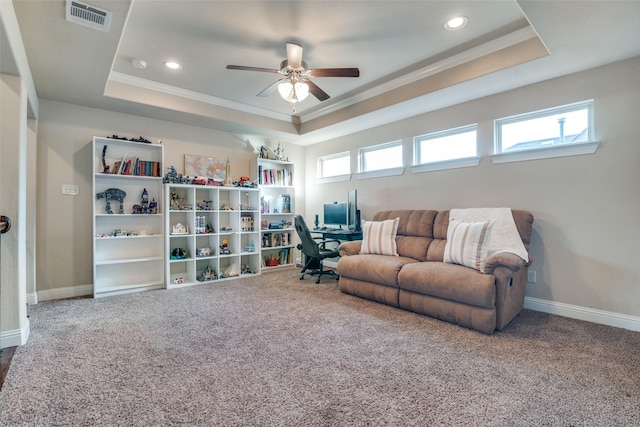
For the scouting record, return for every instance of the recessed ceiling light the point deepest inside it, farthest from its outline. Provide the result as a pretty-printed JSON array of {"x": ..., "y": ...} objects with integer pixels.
[
  {"x": 456, "y": 23},
  {"x": 173, "y": 65},
  {"x": 139, "y": 63}
]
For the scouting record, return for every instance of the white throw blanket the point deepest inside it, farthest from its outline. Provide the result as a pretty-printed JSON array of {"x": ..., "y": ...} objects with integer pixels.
[{"x": 504, "y": 234}]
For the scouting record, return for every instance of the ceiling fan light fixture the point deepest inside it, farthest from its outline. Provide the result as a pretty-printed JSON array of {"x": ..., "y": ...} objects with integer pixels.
[
  {"x": 293, "y": 92},
  {"x": 456, "y": 23},
  {"x": 138, "y": 63}
]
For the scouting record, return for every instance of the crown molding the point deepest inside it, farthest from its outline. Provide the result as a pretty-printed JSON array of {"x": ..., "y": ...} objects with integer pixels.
[
  {"x": 508, "y": 40},
  {"x": 118, "y": 77}
]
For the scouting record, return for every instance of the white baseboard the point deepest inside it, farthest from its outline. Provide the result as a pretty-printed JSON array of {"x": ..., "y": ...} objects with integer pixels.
[
  {"x": 32, "y": 298},
  {"x": 67, "y": 292},
  {"x": 15, "y": 337},
  {"x": 584, "y": 313}
]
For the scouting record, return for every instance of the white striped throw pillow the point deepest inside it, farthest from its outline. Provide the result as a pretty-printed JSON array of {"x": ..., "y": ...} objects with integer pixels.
[
  {"x": 379, "y": 237},
  {"x": 467, "y": 243}
]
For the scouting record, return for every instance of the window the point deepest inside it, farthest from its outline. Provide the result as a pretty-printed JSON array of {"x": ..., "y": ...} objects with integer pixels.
[
  {"x": 554, "y": 131},
  {"x": 447, "y": 149},
  {"x": 450, "y": 144},
  {"x": 381, "y": 157},
  {"x": 334, "y": 165}
]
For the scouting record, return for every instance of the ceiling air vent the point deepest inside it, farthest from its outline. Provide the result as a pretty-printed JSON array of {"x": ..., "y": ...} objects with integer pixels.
[{"x": 89, "y": 16}]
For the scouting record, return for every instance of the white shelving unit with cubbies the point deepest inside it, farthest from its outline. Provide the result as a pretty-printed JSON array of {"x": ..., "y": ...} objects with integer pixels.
[
  {"x": 277, "y": 211},
  {"x": 127, "y": 243},
  {"x": 211, "y": 233}
]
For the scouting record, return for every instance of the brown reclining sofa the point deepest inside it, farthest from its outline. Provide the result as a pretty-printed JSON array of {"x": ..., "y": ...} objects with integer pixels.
[{"x": 418, "y": 280}]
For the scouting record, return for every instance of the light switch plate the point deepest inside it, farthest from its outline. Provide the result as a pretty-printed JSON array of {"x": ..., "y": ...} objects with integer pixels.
[
  {"x": 531, "y": 276},
  {"x": 70, "y": 189}
]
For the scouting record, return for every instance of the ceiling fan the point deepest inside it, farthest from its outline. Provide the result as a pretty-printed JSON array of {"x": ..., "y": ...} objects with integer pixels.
[{"x": 295, "y": 84}]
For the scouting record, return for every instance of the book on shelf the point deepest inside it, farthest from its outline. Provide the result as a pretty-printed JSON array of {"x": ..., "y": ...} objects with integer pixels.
[
  {"x": 136, "y": 167},
  {"x": 274, "y": 240},
  {"x": 282, "y": 177}
]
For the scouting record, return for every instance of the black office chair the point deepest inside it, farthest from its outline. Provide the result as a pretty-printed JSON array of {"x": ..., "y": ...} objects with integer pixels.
[{"x": 314, "y": 250}]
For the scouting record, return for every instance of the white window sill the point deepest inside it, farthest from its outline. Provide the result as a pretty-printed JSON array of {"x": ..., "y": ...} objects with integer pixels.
[
  {"x": 380, "y": 173},
  {"x": 562, "y": 150},
  {"x": 337, "y": 178},
  {"x": 466, "y": 162}
]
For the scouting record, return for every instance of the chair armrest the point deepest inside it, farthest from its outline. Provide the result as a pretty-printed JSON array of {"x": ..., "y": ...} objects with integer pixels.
[
  {"x": 350, "y": 248},
  {"x": 323, "y": 243},
  {"x": 503, "y": 259}
]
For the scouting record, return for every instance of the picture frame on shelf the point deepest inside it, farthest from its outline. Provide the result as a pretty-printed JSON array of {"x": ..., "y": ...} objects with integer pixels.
[{"x": 199, "y": 165}]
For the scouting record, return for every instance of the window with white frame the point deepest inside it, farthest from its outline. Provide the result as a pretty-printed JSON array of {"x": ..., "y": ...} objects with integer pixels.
[
  {"x": 553, "y": 127},
  {"x": 380, "y": 157},
  {"x": 334, "y": 165},
  {"x": 451, "y": 144}
]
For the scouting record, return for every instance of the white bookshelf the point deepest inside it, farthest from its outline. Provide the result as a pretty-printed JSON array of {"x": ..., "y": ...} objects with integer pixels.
[
  {"x": 128, "y": 251},
  {"x": 199, "y": 221},
  {"x": 277, "y": 212}
]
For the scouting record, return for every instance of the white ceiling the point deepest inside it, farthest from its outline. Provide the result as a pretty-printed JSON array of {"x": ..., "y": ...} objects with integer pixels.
[{"x": 408, "y": 62}]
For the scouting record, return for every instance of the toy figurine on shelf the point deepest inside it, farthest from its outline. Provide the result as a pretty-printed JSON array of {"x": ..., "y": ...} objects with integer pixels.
[
  {"x": 250, "y": 248},
  {"x": 228, "y": 181},
  {"x": 204, "y": 252},
  {"x": 176, "y": 201},
  {"x": 224, "y": 247},
  {"x": 112, "y": 194},
  {"x": 179, "y": 229},
  {"x": 207, "y": 274},
  {"x": 172, "y": 177},
  {"x": 140, "y": 139},
  {"x": 153, "y": 207},
  {"x": 204, "y": 206},
  {"x": 179, "y": 253},
  {"x": 279, "y": 152},
  {"x": 105, "y": 167}
]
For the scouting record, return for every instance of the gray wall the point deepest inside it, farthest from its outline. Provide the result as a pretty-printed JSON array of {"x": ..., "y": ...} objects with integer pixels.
[
  {"x": 64, "y": 223},
  {"x": 585, "y": 207},
  {"x": 586, "y": 231}
]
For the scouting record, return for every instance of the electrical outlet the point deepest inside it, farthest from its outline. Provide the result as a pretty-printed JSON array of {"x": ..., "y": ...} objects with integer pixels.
[
  {"x": 531, "y": 276},
  {"x": 70, "y": 189}
]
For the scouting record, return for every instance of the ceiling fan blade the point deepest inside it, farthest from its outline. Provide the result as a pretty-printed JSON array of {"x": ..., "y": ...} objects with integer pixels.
[
  {"x": 316, "y": 91},
  {"x": 242, "y": 67},
  {"x": 270, "y": 89},
  {"x": 294, "y": 55},
  {"x": 334, "y": 72}
]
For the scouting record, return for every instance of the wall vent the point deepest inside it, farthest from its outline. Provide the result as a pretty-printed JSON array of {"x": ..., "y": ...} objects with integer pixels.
[{"x": 89, "y": 16}]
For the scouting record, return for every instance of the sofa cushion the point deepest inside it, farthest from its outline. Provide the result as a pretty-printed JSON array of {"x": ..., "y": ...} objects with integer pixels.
[
  {"x": 379, "y": 237},
  {"x": 415, "y": 231},
  {"x": 449, "y": 281},
  {"x": 381, "y": 269},
  {"x": 468, "y": 243}
]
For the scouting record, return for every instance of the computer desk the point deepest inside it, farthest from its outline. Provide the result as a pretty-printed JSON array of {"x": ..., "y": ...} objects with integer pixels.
[{"x": 339, "y": 234}]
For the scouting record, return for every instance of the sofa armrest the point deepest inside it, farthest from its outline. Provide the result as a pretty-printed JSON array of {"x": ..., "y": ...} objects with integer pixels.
[
  {"x": 503, "y": 259},
  {"x": 350, "y": 248}
]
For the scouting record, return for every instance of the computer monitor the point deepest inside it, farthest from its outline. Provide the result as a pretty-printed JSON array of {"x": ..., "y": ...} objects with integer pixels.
[
  {"x": 335, "y": 214},
  {"x": 353, "y": 213}
]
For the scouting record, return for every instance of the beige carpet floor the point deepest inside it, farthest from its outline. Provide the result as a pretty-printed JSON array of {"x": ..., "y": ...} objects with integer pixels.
[{"x": 274, "y": 350}]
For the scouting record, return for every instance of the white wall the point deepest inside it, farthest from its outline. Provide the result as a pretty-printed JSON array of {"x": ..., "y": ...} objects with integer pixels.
[
  {"x": 65, "y": 132},
  {"x": 585, "y": 236},
  {"x": 14, "y": 325}
]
